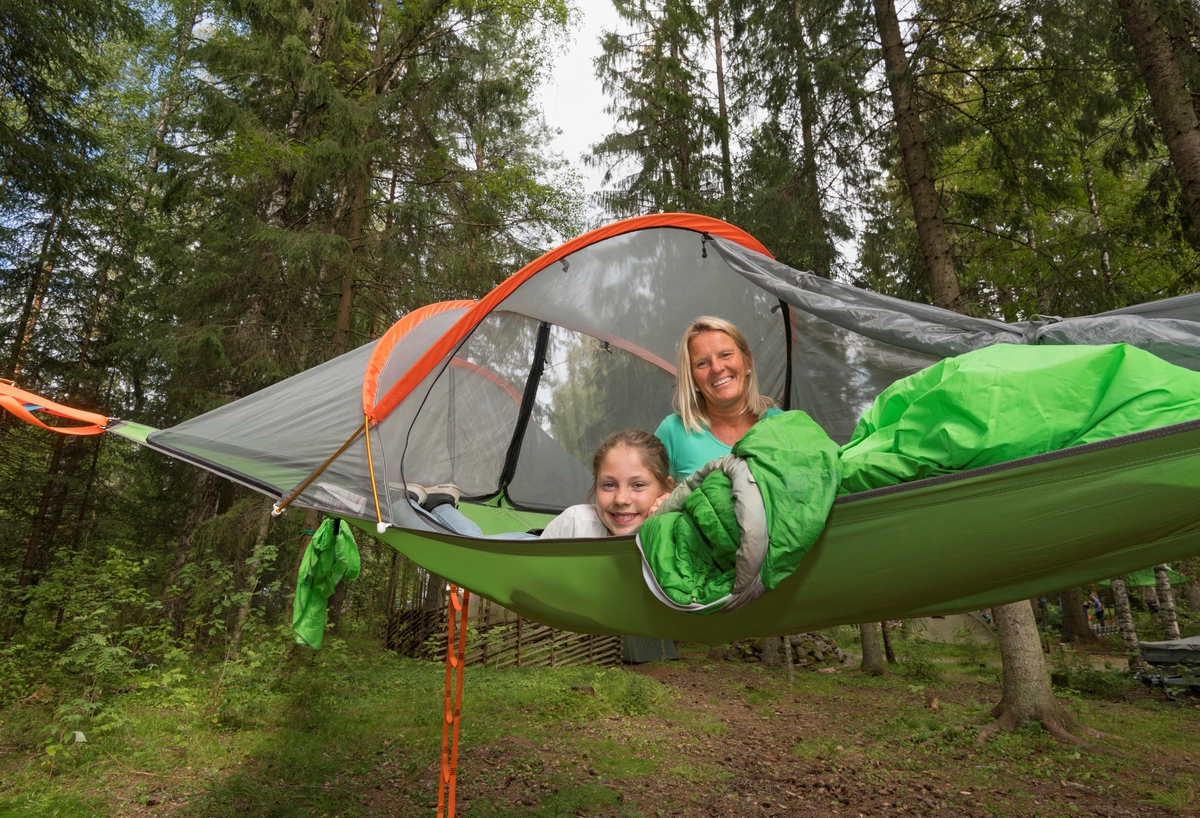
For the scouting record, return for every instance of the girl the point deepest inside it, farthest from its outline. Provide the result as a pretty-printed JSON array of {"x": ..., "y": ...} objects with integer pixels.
[{"x": 630, "y": 478}]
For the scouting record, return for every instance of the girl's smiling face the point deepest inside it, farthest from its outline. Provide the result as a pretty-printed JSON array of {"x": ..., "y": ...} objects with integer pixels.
[{"x": 625, "y": 490}]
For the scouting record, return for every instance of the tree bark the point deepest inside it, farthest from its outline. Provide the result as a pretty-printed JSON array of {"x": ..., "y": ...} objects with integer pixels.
[
  {"x": 811, "y": 204},
  {"x": 1027, "y": 694},
  {"x": 770, "y": 651},
  {"x": 1169, "y": 94},
  {"x": 1166, "y": 602},
  {"x": 1075, "y": 622},
  {"x": 887, "y": 643},
  {"x": 33, "y": 545},
  {"x": 918, "y": 167},
  {"x": 1094, "y": 207},
  {"x": 1191, "y": 595},
  {"x": 34, "y": 296},
  {"x": 872, "y": 656},
  {"x": 722, "y": 109},
  {"x": 1125, "y": 623}
]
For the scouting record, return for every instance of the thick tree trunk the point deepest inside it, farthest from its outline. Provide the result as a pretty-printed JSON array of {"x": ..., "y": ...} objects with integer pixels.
[
  {"x": 872, "y": 656},
  {"x": 1126, "y": 624},
  {"x": 1190, "y": 591},
  {"x": 770, "y": 651},
  {"x": 887, "y": 643},
  {"x": 1027, "y": 694},
  {"x": 1166, "y": 602},
  {"x": 918, "y": 167},
  {"x": 1173, "y": 106},
  {"x": 1074, "y": 617}
]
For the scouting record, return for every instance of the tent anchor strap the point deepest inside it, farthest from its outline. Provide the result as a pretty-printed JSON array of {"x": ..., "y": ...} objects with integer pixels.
[{"x": 457, "y": 611}]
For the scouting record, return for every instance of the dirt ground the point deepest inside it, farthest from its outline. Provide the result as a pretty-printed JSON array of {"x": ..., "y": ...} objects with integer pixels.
[{"x": 747, "y": 744}]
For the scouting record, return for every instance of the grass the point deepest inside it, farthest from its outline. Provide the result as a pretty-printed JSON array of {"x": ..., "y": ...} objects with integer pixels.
[{"x": 352, "y": 732}]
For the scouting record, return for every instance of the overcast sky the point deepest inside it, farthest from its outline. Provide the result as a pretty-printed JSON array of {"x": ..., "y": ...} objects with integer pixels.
[{"x": 571, "y": 99}]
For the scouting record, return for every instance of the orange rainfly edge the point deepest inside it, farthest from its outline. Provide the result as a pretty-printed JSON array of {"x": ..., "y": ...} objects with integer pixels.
[
  {"x": 387, "y": 342},
  {"x": 17, "y": 400},
  {"x": 443, "y": 346}
]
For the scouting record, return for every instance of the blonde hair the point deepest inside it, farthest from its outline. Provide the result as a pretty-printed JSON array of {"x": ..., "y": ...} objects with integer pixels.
[
  {"x": 650, "y": 449},
  {"x": 688, "y": 403}
]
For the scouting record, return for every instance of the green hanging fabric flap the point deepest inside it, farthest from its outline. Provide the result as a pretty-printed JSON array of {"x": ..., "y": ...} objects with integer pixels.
[{"x": 332, "y": 556}]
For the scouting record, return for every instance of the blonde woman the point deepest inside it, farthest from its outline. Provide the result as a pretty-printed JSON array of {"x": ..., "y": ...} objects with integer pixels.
[{"x": 717, "y": 398}]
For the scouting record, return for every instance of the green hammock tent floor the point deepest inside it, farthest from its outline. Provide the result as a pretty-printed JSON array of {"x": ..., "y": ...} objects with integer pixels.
[{"x": 955, "y": 543}]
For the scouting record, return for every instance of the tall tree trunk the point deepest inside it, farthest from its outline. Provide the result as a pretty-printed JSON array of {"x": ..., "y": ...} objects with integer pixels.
[
  {"x": 183, "y": 42},
  {"x": 811, "y": 203},
  {"x": 1173, "y": 105},
  {"x": 203, "y": 507},
  {"x": 722, "y": 109},
  {"x": 1043, "y": 291},
  {"x": 1075, "y": 626},
  {"x": 277, "y": 204},
  {"x": 254, "y": 569},
  {"x": 1026, "y": 685},
  {"x": 1126, "y": 624},
  {"x": 887, "y": 643},
  {"x": 918, "y": 167},
  {"x": 35, "y": 295},
  {"x": 872, "y": 658},
  {"x": 1166, "y": 602},
  {"x": 1094, "y": 207},
  {"x": 1027, "y": 694},
  {"x": 1191, "y": 595},
  {"x": 33, "y": 545}
]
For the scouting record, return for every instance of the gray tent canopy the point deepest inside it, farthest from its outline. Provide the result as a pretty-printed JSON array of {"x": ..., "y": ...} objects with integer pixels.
[{"x": 509, "y": 396}]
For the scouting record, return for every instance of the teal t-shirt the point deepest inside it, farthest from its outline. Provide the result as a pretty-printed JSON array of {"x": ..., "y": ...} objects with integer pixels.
[{"x": 689, "y": 451}]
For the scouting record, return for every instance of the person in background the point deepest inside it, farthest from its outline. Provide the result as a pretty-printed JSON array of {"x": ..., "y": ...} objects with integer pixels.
[{"x": 717, "y": 396}]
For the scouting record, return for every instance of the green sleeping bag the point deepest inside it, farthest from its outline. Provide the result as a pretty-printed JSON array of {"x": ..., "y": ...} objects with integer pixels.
[{"x": 986, "y": 407}]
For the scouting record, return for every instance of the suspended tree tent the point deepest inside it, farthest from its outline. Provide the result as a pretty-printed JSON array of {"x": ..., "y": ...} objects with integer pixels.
[{"x": 509, "y": 397}]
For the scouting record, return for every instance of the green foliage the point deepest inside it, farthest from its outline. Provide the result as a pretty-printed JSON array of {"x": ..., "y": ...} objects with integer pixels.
[{"x": 1082, "y": 677}]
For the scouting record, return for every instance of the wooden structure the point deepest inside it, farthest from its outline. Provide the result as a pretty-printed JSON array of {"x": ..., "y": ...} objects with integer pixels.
[{"x": 497, "y": 637}]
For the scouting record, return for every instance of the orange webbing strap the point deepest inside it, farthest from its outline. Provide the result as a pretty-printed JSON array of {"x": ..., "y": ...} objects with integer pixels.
[
  {"x": 16, "y": 401},
  {"x": 452, "y": 707}
]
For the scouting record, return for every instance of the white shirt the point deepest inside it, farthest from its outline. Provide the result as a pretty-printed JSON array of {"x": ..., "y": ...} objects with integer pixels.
[{"x": 580, "y": 522}]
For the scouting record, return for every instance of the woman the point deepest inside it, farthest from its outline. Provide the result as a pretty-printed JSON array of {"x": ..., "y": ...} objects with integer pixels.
[{"x": 716, "y": 396}]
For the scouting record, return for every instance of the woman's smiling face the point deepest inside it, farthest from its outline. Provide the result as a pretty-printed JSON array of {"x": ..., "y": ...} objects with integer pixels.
[
  {"x": 719, "y": 370},
  {"x": 625, "y": 490}
]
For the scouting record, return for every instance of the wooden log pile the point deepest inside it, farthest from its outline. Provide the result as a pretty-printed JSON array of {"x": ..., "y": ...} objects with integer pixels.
[{"x": 499, "y": 638}]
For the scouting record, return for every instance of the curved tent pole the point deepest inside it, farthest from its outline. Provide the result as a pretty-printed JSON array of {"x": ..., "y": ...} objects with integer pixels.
[{"x": 438, "y": 351}]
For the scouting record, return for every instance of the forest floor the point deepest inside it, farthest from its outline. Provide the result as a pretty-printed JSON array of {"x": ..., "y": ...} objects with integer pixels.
[{"x": 355, "y": 732}]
